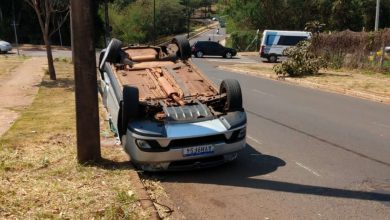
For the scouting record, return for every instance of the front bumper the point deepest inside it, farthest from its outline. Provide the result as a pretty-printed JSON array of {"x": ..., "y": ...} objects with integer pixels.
[
  {"x": 173, "y": 158},
  {"x": 161, "y": 147}
]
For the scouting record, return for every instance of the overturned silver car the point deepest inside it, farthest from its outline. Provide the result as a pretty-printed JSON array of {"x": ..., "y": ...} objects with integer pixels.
[{"x": 168, "y": 114}]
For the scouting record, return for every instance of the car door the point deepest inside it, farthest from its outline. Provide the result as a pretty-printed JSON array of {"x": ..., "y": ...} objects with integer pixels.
[
  {"x": 111, "y": 95},
  {"x": 215, "y": 48},
  {"x": 206, "y": 48}
]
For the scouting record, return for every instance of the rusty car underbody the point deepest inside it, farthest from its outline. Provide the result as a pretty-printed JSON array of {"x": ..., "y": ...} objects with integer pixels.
[{"x": 164, "y": 84}]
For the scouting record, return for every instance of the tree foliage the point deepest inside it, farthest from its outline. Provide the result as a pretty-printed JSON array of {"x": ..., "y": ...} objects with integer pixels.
[
  {"x": 133, "y": 22},
  {"x": 294, "y": 14}
]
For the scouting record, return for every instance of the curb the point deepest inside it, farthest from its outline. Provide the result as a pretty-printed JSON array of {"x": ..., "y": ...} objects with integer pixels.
[
  {"x": 201, "y": 31},
  {"x": 40, "y": 47},
  {"x": 312, "y": 85},
  {"x": 143, "y": 196},
  {"x": 207, "y": 28}
]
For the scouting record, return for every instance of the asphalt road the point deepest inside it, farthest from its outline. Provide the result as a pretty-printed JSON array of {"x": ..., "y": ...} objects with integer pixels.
[
  {"x": 309, "y": 155},
  {"x": 211, "y": 35}
]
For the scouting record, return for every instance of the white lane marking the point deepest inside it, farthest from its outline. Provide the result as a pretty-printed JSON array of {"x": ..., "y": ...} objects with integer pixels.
[
  {"x": 380, "y": 124},
  {"x": 256, "y": 154},
  {"x": 254, "y": 139},
  {"x": 307, "y": 168}
]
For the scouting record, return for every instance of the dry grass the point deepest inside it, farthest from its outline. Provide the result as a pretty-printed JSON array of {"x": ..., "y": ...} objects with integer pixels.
[
  {"x": 39, "y": 175},
  {"x": 357, "y": 80},
  {"x": 368, "y": 82},
  {"x": 8, "y": 63}
]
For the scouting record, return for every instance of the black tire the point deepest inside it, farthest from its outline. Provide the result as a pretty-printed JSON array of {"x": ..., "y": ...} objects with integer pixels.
[
  {"x": 272, "y": 59},
  {"x": 183, "y": 44},
  {"x": 232, "y": 89},
  {"x": 129, "y": 108},
  {"x": 113, "y": 55},
  {"x": 199, "y": 54},
  {"x": 228, "y": 55}
]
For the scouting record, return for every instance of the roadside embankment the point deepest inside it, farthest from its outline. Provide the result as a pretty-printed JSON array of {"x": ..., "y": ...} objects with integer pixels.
[{"x": 363, "y": 84}]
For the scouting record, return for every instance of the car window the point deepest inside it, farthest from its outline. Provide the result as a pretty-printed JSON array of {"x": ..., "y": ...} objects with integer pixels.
[
  {"x": 290, "y": 40},
  {"x": 201, "y": 44},
  {"x": 270, "y": 39},
  {"x": 215, "y": 45}
]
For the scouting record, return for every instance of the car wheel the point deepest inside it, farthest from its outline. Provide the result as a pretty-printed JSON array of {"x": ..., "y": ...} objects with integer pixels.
[
  {"x": 199, "y": 54},
  {"x": 228, "y": 55},
  {"x": 113, "y": 55},
  {"x": 183, "y": 44},
  {"x": 129, "y": 108},
  {"x": 232, "y": 89},
  {"x": 272, "y": 59}
]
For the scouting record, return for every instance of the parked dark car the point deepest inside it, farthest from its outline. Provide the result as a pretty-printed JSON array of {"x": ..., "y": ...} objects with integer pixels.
[{"x": 201, "y": 48}]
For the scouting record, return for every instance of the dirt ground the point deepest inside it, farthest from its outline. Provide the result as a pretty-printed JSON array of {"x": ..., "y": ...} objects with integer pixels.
[{"x": 18, "y": 89}]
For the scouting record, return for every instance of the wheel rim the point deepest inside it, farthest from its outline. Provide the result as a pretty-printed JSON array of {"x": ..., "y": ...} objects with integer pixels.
[
  {"x": 228, "y": 55},
  {"x": 199, "y": 54},
  {"x": 272, "y": 59}
]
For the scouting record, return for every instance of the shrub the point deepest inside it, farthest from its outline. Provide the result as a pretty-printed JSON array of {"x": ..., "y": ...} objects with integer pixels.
[
  {"x": 300, "y": 61},
  {"x": 350, "y": 49}
]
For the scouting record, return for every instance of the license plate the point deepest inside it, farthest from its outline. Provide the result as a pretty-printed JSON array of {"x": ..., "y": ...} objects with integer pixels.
[{"x": 198, "y": 150}]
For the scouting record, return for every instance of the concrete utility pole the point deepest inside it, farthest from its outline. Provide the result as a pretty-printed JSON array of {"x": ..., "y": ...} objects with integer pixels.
[
  {"x": 378, "y": 2},
  {"x": 14, "y": 25},
  {"x": 87, "y": 113}
]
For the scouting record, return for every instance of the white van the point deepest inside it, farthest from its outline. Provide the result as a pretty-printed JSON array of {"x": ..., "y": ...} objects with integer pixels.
[{"x": 275, "y": 42}]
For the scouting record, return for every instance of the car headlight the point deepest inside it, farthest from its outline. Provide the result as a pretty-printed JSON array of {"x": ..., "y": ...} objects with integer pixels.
[
  {"x": 143, "y": 144},
  {"x": 241, "y": 133}
]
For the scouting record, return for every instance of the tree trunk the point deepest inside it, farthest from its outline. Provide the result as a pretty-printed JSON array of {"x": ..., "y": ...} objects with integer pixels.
[{"x": 50, "y": 63}]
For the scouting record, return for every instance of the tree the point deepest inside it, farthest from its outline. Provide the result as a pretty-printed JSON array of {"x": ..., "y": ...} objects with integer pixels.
[
  {"x": 346, "y": 14},
  {"x": 134, "y": 23},
  {"x": 45, "y": 11}
]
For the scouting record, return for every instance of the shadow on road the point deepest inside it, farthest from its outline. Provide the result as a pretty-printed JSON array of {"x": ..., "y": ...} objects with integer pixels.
[{"x": 252, "y": 164}]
